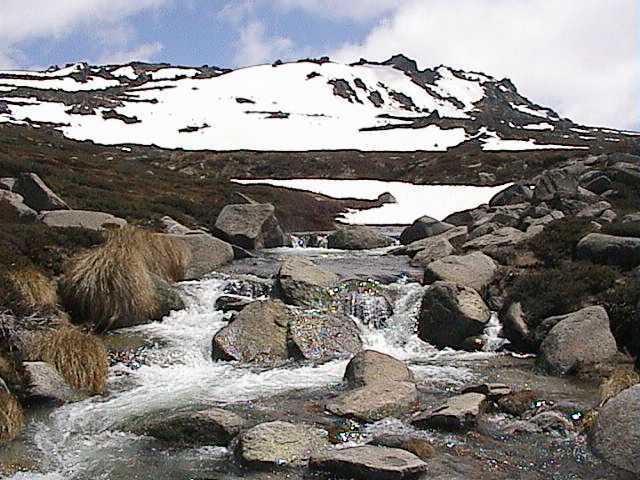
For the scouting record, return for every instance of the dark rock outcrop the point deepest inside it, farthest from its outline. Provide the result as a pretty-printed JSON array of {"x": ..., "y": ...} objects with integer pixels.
[
  {"x": 424, "y": 227},
  {"x": 451, "y": 313},
  {"x": 37, "y": 194},
  {"x": 610, "y": 250}
]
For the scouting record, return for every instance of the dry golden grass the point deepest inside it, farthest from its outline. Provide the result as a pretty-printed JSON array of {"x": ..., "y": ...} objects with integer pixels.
[
  {"x": 79, "y": 357},
  {"x": 114, "y": 283},
  {"x": 11, "y": 417},
  {"x": 620, "y": 380},
  {"x": 31, "y": 292}
]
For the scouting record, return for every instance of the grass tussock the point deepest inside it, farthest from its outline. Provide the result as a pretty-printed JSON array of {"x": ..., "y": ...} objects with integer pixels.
[
  {"x": 79, "y": 357},
  {"x": 27, "y": 291},
  {"x": 115, "y": 283},
  {"x": 11, "y": 417},
  {"x": 620, "y": 380}
]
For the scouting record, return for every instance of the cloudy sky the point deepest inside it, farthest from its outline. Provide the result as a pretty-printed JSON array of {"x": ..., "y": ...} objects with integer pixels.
[{"x": 581, "y": 57}]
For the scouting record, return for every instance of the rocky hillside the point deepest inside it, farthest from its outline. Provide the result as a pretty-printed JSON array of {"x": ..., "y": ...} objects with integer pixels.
[{"x": 312, "y": 104}]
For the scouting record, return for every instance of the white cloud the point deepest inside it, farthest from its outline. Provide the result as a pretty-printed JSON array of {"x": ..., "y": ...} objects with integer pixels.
[
  {"x": 337, "y": 9},
  {"x": 254, "y": 46},
  {"x": 581, "y": 57},
  {"x": 142, "y": 53},
  {"x": 23, "y": 20}
]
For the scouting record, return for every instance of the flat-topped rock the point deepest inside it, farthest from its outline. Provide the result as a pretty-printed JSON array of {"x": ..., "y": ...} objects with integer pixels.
[
  {"x": 475, "y": 270},
  {"x": 358, "y": 238},
  {"x": 609, "y": 249},
  {"x": 81, "y": 219},
  {"x": 457, "y": 413},
  {"x": 280, "y": 444},
  {"x": 370, "y": 463}
]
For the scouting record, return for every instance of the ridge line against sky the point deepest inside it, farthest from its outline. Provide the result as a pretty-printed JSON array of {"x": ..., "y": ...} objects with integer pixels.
[{"x": 580, "y": 57}]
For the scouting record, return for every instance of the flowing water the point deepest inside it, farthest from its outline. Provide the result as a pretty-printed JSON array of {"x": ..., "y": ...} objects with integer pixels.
[{"x": 89, "y": 439}]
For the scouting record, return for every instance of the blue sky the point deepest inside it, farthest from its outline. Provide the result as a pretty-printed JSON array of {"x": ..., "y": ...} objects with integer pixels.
[{"x": 580, "y": 57}]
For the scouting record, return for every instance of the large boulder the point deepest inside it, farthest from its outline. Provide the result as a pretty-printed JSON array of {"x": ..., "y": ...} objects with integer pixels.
[
  {"x": 555, "y": 184},
  {"x": 380, "y": 386},
  {"x": 435, "y": 250},
  {"x": 475, "y": 270},
  {"x": 456, "y": 234},
  {"x": 610, "y": 250},
  {"x": 214, "y": 426},
  {"x": 252, "y": 226},
  {"x": 375, "y": 401},
  {"x": 207, "y": 254},
  {"x": 258, "y": 334},
  {"x": 302, "y": 283},
  {"x": 280, "y": 444},
  {"x": 616, "y": 434},
  {"x": 369, "y": 463},
  {"x": 358, "y": 238},
  {"x": 369, "y": 367},
  {"x": 37, "y": 194},
  {"x": 424, "y": 227},
  {"x": 81, "y": 219},
  {"x": 13, "y": 208},
  {"x": 580, "y": 338},
  {"x": 467, "y": 217},
  {"x": 626, "y": 172},
  {"x": 457, "y": 413},
  {"x": 501, "y": 237},
  {"x": 451, "y": 313},
  {"x": 516, "y": 193},
  {"x": 322, "y": 336},
  {"x": 595, "y": 181}
]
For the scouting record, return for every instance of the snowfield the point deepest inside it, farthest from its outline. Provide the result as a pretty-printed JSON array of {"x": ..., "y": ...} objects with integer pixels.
[
  {"x": 414, "y": 201},
  {"x": 299, "y": 106}
]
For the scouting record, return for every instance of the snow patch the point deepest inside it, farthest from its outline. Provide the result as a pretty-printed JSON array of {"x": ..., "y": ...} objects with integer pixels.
[{"x": 414, "y": 201}]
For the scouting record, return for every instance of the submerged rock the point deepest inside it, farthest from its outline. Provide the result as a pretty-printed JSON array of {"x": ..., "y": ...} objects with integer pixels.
[
  {"x": 213, "y": 426},
  {"x": 280, "y": 444},
  {"x": 369, "y": 463},
  {"x": 451, "y": 313}
]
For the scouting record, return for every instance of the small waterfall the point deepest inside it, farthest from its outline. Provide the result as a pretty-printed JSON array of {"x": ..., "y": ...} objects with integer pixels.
[{"x": 492, "y": 336}]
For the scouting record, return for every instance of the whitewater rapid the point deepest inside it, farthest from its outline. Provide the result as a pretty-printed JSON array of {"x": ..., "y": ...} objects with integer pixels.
[{"x": 88, "y": 439}]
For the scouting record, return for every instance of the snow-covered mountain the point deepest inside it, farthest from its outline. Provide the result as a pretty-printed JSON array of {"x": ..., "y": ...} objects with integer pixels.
[{"x": 306, "y": 105}]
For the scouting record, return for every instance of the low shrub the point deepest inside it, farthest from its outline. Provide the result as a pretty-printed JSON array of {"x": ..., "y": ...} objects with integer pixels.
[
  {"x": 560, "y": 290},
  {"x": 79, "y": 357},
  {"x": 621, "y": 303},
  {"x": 620, "y": 380},
  {"x": 558, "y": 241},
  {"x": 11, "y": 417},
  {"x": 113, "y": 285}
]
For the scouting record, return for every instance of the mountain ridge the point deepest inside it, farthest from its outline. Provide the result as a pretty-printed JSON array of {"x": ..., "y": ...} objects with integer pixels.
[{"x": 309, "y": 104}]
